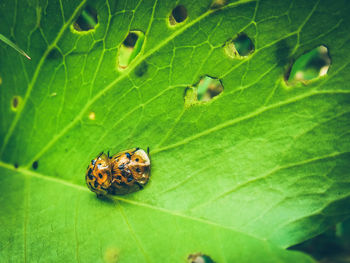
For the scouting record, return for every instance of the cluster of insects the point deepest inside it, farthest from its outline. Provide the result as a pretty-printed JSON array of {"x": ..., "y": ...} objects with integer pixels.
[{"x": 119, "y": 174}]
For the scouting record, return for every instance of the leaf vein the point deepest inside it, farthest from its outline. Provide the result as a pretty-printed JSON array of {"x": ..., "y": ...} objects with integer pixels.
[
  {"x": 37, "y": 175},
  {"x": 251, "y": 115},
  {"x": 271, "y": 172},
  {"x": 35, "y": 76},
  {"x": 114, "y": 82}
]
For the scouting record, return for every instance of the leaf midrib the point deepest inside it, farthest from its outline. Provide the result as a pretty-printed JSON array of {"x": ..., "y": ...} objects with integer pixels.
[
  {"x": 116, "y": 199},
  {"x": 25, "y": 172}
]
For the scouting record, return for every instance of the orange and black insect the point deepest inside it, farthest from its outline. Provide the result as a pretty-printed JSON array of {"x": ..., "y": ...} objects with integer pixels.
[
  {"x": 123, "y": 173},
  {"x": 98, "y": 174},
  {"x": 130, "y": 171}
]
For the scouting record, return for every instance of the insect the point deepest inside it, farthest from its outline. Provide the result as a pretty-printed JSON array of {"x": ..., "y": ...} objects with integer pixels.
[
  {"x": 130, "y": 171},
  {"x": 98, "y": 174},
  {"x": 122, "y": 173}
]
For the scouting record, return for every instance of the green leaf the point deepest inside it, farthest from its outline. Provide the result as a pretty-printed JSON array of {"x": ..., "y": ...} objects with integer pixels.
[{"x": 260, "y": 167}]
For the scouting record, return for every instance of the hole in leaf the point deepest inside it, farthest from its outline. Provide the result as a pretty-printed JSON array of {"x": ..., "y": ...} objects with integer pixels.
[
  {"x": 309, "y": 66},
  {"x": 130, "y": 40},
  {"x": 239, "y": 47},
  {"x": 35, "y": 165},
  {"x": 92, "y": 116},
  {"x": 199, "y": 258},
  {"x": 87, "y": 20},
  {"x": 16, "y": 101},
  {"x": 178, "y": 15},
  {"x": 130, "y": 48},
  {"x": 218, "y": 3},
  {"x": 206, "y": 89},
  {"x": 15, "y": 165}
]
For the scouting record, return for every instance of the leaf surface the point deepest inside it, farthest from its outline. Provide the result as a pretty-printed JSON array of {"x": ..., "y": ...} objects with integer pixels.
[{"x": 259, "y": 168}]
